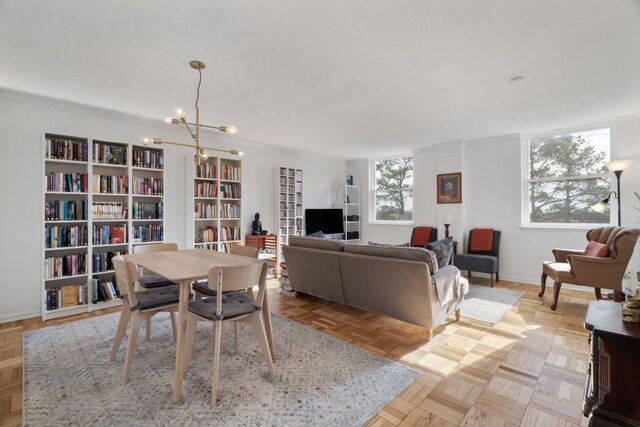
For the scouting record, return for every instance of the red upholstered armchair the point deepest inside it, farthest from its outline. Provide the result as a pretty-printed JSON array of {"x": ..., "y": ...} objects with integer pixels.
[{"x": 573, "y": 266}]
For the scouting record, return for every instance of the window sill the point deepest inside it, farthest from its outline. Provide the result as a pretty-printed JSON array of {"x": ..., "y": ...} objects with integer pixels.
[
  {"x": 390, "y": 222},
  {"x": 565, "y": 227}
]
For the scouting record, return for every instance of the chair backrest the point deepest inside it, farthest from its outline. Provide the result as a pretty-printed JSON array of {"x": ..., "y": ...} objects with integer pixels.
[
  {"x": 621, "y": 241},
  {"x": 126, "y": 276},
  {"x": 158, "y": 247},
  {"x": 247, "y": 251},
  {"x": 495, "y": 244},
  {"x": 236, "y": 278},
  {"x": 422, "y": 235}
]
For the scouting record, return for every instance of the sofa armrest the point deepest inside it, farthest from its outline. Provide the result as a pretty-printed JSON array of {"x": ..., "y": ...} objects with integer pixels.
[{"x": 561, "y": 254}]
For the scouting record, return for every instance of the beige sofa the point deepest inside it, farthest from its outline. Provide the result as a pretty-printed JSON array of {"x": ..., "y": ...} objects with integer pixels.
[{"x": 403, "y": 283}]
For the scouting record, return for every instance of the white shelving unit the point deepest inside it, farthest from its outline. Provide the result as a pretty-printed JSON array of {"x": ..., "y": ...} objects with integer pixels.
[
  {"x": 99, "y": 209},
  {"x": 216, "y": 188},
  {"x": 351, "y": 212},
  {"x": 289, "y": 204}
]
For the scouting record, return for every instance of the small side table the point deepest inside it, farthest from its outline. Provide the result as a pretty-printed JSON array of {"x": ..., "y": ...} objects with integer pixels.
[{"x": 269, "y": 244}]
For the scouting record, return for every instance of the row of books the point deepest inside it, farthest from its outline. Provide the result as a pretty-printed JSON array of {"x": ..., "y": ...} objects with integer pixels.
[
  {"x": 66, "y": 149},
  {"x": 230, "y": 172},
  {"x": 67, "y": 182},
  {"x": 59, "y": 236},
  {"x": 229, "y": 233},
  {"x": 287, "y": 205},
  {"x": 109, "y": 154},
  {"x": 108, "y": 210},
  {"x": 148, "y": 159},
  {"x": 230, "y": 211},
  {"x": 205, "y": 189},
  {"x": 65, "y": 210},
  {"x": 147, "y": 233},
  {"x": 102, "y": 260},
  {"x": 110, "y": 184},
  {"x": 206, "y": 170},
  {"x": 206, "y": 234},
  {"x": 205, "y": 210},
  {"x": 67, "y": 265},
  {"x": 148, "y": 210},
  {"x": 148, "y": 186},
  {"x": 109, "y": 234},
  {"x": 230, "y": 191},
  {"x": 66, "y": 296},
  {"x": 103, "y": 290}
]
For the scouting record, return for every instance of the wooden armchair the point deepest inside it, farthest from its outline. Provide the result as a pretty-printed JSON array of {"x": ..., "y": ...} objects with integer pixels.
[{"x": 573, "y": 266}]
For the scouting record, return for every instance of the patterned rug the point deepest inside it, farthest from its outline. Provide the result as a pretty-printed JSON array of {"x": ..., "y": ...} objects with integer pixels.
[
  {"x": 488, "y": 304},
  {"x": 320, "y": 380}
]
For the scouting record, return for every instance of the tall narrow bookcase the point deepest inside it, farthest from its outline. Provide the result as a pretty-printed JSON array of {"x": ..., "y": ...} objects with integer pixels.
[
  {"x": 289, "y": 207},
  {"x": 100, "y": 199},
  {"x": 215, "y": 184},
  {"x": 351, "y": 212}
]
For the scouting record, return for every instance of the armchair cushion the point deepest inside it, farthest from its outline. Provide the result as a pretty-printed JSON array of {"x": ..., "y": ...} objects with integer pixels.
[
  {"x": 596, "y": 249},
  {"x": 475, "y": 262},
  {"x": 559, "y": 270},
  {"x": 156, "y": 298},
  {"x": 233, "y": 304}
]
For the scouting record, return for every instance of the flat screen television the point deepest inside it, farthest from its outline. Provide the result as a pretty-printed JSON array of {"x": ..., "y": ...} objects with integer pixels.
[{"x": 329, "y": 221}]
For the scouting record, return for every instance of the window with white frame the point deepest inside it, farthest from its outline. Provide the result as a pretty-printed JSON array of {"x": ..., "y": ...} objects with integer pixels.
[
  {"x": 565, "y": 175},
  {"x": 392, "y": 190}
]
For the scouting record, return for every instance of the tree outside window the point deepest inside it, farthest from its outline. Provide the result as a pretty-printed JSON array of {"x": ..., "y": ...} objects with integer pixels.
[
  {"x": 567, "y": 175},
  {"x": 393, "y": 194}
]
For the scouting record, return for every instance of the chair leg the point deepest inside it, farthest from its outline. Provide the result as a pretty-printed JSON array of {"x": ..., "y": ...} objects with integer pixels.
[
  {"x": 217, "y": 331},
  {"x": 617, "y": 296},
  {"x": 543, "y": 284},
  {"x": 469, "y": 273},
  {"x": 173, "y": 326},
  {"x": 261, "y": 334},
  {"x": 134, "y": 330},
  {"x": 125, "y": 315},
  {"x": 457, "y": 314},
  {"x": 556, "y": 294},
  {"x": 497, "y": 276},
  {"x": 491, "y": 278},
  {"x": 189, "y": 341},
  {"x": 148, "y": 330},
  {"x": 598, "y": 293},
  {"x": 429, "y": 334}
]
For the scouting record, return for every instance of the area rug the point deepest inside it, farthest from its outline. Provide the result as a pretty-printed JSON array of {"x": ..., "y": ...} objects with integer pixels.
[
  {"x": 320, "y": 380},
  {"x": 488, "y": 304}
]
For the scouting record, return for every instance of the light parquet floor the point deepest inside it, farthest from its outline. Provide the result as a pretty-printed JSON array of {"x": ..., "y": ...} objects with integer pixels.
[{"x": 529, "y": 369}]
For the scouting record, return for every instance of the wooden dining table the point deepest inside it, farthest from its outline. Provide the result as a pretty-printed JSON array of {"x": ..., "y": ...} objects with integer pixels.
[{"x": 184, "y": 267}]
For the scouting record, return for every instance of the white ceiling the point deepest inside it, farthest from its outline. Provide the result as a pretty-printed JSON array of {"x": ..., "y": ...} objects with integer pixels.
[{"x": 351, "y": 78}]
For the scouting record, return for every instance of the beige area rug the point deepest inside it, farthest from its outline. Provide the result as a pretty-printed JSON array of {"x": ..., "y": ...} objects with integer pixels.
[{"x": 320, "y": 380}]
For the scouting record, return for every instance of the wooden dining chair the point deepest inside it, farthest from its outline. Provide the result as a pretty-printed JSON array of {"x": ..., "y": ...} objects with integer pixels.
[
  {"x": 148, "y": 280},
  {"x": 202, "y": 289},
  {"x": 137, "y": 306},
  {"x": 233, "y": 306}
]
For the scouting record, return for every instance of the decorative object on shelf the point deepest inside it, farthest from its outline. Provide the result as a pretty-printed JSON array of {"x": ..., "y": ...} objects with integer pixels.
[
  {"x": 349, "y": 179},
  {"x": 631, "y": 308},
  {"x": 617, "y": 167},
  {"x": 450, "y": 188},
  {"x": 195, "y": 134},
  {"x": 447, "y": 224},
  {"x": 256, "y": 225}
]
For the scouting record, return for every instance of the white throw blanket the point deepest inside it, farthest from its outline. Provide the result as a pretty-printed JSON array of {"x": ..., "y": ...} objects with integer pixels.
[{"x": 450, "y": 286}]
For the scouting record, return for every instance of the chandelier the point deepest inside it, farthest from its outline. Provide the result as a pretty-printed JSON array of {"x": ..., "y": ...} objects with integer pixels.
[{"x": 194, "y": 128}]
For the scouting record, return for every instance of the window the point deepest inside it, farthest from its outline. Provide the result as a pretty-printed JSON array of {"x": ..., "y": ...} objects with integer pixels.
[
  {"x": 393, "y": 190},
  {"x": 565, "y": 175}
]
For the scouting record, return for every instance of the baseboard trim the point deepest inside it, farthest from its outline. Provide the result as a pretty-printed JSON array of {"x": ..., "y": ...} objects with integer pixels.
[
  {"x": 536, "y": 282},
  {"x": 19, "y": 316}
]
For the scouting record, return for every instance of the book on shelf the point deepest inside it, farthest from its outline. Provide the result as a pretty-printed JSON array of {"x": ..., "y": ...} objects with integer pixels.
[
  {"x": 66, "y": 149},
  {"x": 118, "y": 235}
]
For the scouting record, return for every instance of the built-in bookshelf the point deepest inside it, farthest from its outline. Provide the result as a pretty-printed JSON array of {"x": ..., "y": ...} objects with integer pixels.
[
  {"x": 289, "y": 211},
  {"x": 351, "y": 212},
  {"x": 215, "y": 184},
  {"x": 93, "y": 212}
]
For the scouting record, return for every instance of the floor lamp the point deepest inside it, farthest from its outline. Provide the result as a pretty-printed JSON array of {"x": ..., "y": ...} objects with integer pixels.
[{"x": 617, "y": 167}]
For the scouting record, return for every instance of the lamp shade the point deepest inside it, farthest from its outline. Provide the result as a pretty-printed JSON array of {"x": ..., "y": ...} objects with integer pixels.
[
  {"x": 600, "y": 206},
  {"x": 618, "y": 165}
]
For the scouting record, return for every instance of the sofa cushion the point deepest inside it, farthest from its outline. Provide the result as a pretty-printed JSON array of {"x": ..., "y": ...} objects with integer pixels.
[
  {"x": 410, "y": 254},
  {"x": 390, "y": 245},
  {"x": 315, "y": 243}
]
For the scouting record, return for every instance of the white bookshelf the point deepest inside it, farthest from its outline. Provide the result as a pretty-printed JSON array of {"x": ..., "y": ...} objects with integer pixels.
[
  {"x": 107, "y": 198},
  {"x": 214, "y": 207},
  {"x": 289, "y": 204},
  {"x": 351, "y": 212}
]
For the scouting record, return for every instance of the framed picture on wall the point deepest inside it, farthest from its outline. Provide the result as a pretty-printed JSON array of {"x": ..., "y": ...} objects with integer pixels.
[{"x": 450, "y": 188}]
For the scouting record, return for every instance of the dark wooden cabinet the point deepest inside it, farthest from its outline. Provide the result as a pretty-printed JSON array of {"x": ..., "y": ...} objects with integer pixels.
[
  {"x": 268, "y": 244},
  {"x": 612, "y": 395}
]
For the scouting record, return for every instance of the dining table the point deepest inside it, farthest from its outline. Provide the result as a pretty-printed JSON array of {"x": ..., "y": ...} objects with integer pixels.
[{"x": 183, "y": 267}]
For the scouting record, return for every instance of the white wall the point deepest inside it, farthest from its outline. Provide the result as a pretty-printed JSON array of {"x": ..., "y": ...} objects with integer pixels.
[
  {"x": 491, "y": 187},
  {"x": 23, "y": 121}
]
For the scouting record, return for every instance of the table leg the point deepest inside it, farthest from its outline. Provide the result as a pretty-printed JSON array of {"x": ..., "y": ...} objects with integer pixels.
[
  {"x": 266, "y": 315},
  {"x": 182, "y": 329}
]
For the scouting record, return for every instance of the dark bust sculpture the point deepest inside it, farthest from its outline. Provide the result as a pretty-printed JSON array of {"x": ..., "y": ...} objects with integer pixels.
[{"x": 256, "y": 225}]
